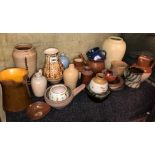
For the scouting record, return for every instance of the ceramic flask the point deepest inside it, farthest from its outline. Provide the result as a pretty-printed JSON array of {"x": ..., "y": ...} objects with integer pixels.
[
  {"x": 115, "y": 48},
  {"x": 98, "y": 84},
  {"x": 38, "y": 84},
  {"x": 64, "y": 60},
  {"x": 70, "y": 76}
]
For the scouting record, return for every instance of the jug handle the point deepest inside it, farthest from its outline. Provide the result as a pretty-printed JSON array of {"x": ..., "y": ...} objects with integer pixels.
[
  {"x": 78, "y": 89},
  {"x": 152, "y": 63},
  {"x": 82, "y": 57}
]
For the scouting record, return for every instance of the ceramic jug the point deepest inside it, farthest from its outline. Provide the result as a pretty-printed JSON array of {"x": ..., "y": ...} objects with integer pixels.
[
  {"x": 70, "y": 76},
  {"x": 133, "y": 77},
  {"x": 25, "y": 56},
  {"x": 64, "y": 60},
  {"x": 115, "y": 48},
  {"x": 53, "y": 68},
  {"x": 15, "y": 92},
  {"x": 98, "y": 84},
  {"x": 39, "y": 84},
  {"x": 146, "y": 63}
]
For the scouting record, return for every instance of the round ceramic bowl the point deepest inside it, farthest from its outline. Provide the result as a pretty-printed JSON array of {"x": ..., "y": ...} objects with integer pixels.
[{"x": 58, "y": 92}]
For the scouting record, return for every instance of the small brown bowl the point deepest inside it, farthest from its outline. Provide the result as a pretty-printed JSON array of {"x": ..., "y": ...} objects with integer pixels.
[{"x": 37, "y": 110}]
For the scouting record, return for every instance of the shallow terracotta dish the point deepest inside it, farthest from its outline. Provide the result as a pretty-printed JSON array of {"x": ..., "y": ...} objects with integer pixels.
[
  {"x": 64, "y": 103},
  {"x": 37, "y": 110}
]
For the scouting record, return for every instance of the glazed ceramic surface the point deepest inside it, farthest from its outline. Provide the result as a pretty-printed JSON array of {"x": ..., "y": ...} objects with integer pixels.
[
  {"x": 96, "y": 66},
  {"x": 98, "y": 84},
  {"x": 37, "y": 110},
  {"x": 145, "y": 63},
  {"x": 133, "y": 77},
  {"x": 25, "y": 56},
  {"x": 115, "y": 48},
  {"x": 87, "y": 75},
  {"x": 38, "y": 84},
  {"x": 109, "y": 75},
  {"x": 70, "y": 76},
  {"x": 58, "y": 92},
  {"x": 53, "y": 68},
  {"x": 64, "y": 103},
  {"x": 64, "y": 60},
  {"x": 96, "y": 54},
  {"x": 16, "y": 95},
  {"x": 118, "y": 67}
]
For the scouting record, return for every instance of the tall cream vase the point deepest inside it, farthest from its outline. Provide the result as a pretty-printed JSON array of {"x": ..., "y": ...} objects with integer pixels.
[
  {"x": 115, "y": 48},
  {"x": 70, "y": 76}
]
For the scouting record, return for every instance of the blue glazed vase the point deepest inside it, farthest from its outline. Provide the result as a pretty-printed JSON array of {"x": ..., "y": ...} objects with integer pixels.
[{"x": 64, "y": 60}]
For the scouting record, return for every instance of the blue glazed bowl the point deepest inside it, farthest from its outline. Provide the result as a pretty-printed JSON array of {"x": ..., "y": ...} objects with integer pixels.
[{"x": 96, "y": 54}]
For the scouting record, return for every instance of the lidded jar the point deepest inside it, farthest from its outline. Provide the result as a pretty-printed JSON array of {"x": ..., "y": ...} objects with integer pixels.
[
  {"x": 53, "y": 68},
  {"x": 38, "y": 84},
  {"x": 70, "y": 76},
  {"x": 25, "y": 56}
]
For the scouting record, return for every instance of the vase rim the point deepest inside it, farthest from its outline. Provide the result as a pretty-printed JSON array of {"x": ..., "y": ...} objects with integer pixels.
[
  {"x": 23, "y": 46},
  {"x": 116, "y": 38},
  {"x": 51, "y": 51}
]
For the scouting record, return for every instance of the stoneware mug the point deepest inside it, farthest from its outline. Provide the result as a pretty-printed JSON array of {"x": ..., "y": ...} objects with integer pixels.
[{"x": 133, "y": 77}]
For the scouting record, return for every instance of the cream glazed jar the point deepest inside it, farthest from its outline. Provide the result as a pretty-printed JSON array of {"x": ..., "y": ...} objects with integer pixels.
[
  {"x": 38, "y": 84},
  {"x": 98, "y": 84}
]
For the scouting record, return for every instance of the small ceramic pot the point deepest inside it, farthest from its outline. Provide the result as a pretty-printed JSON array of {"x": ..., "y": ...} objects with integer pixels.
[
  {"x": 96, "y": 54},
  {"x": 109, "y": 75},
  {"x": 133, "y": 77},
  {"x": 87, "y": 75},
  {"x": 58, "y": 92},
  {"x": 118, "y": 67},
  {"x": 96, "y": 66},
  {"x": 64, "y": 60},
  {"x": 79, "y": 64},
  {"x": 99, "y": 84}
]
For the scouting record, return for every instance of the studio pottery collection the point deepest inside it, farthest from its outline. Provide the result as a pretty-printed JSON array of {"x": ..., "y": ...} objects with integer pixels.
[{"x": 97, "y": 72}]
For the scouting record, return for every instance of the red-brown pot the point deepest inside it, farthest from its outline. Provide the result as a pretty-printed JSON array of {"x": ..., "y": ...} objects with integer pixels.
[{"x": 96, "y": 66}]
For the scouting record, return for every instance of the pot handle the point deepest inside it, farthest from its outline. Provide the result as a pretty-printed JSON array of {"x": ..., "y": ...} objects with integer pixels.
[{"x": 78, "y": 89}]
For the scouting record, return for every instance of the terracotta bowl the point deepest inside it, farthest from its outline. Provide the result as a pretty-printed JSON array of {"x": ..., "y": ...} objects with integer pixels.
[{"x": 37, "y": 110}]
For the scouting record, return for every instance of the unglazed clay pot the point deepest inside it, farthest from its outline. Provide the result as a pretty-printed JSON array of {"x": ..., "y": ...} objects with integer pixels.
[
  {"x": 25, "y": 56},
  {"x": 70, "y": 76},
  {"x": 145, "y": 63},
  {"x": 53, "y": 68},
  {"x": 118, "y": 67},
  {"x": 38, "y": 84},
  {"x": 16, "y": 96},
  {"x": 115, "y": 48}
]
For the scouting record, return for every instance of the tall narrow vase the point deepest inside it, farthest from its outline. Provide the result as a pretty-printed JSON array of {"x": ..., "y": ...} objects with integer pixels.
[{"x": 115, "y": 48}]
